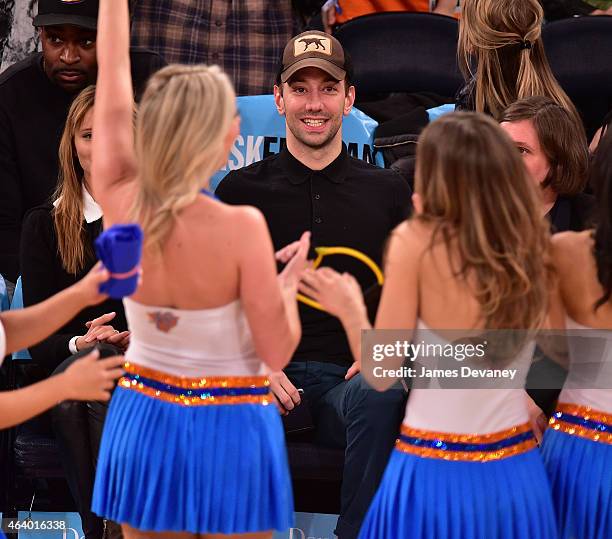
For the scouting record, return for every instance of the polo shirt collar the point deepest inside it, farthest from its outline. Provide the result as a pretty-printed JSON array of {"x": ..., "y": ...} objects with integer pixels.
[{"x": 298, "y": 173}]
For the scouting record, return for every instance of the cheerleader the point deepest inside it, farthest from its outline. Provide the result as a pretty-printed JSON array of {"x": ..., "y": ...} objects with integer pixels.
[
  {"x": 577, "y": 446},
  {"x": 466, "y": 464},
  {"x": 192, "y": 443}
]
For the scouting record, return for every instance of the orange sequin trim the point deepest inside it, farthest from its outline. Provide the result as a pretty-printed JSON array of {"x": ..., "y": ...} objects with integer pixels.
[
  {"x": 465, "y": 438},
  {"x": 466, "y": 456},
  {"x": 196, "y": 383},
  {"x": 585, "y": 412},
  {"x": 186, "y": 400}
]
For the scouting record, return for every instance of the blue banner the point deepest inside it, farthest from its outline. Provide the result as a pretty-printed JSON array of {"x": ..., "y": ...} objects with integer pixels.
[{"x": 262, "y": 133}]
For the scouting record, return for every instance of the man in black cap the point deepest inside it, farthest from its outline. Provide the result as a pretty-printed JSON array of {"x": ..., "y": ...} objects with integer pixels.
[
  {"x": 35, "y": 95},
  {"x": 314, "y": 185}
]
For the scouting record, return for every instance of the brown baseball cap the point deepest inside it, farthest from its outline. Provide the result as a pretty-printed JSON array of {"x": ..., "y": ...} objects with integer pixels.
[{"x": 314, "y": 49}]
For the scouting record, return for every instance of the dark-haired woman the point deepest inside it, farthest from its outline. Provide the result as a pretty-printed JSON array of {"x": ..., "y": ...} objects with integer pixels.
[
  {"x": 57, "y": 249},
  {"x": 554, "y": 149},
  {"x": 577, "y": 446}
]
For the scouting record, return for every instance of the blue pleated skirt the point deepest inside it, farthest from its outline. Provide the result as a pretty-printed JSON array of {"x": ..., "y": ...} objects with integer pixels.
[
  {"x": 421, "y": 497},
  {"x": 580, "y": 473},
  {"x": 218, "y": 468}
]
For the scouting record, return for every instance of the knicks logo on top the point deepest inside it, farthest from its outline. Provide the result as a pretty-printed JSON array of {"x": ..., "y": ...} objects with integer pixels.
[{"x": 312, "y": 43}]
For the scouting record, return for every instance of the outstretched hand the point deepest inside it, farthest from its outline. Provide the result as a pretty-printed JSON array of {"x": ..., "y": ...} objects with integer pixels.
[
  {"x": 295, "y": 256},
  {"x": 339, "y": 294},
  {"x": 91, "y": 378}
]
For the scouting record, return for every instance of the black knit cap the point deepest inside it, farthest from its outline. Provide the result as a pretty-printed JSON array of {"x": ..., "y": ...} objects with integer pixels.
[{"x": 83, "y": 13}]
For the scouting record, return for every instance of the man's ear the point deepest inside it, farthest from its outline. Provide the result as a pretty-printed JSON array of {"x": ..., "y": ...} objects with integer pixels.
[
  {"x": 349, "y": 100},
  {"x": 278, "y": 100}
]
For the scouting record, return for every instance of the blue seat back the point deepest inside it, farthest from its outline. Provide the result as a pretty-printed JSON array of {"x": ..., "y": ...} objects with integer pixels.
[{"x": 17, "y": 303}]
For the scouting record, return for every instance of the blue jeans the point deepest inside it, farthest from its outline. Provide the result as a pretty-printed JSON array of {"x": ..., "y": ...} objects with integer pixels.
[{"x": 352, "y": 416}]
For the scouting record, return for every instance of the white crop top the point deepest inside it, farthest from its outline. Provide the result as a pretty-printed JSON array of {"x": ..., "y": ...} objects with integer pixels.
[
  {"x": 468, "y": 411},
  {"x": 192, "y": 343}
]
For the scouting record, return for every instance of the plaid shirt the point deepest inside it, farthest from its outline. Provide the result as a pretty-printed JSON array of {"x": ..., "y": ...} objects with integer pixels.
[{"x": 245, "y": 37}]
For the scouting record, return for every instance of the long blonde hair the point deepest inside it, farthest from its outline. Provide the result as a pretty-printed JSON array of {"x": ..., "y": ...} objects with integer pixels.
[
  {"x": 181, "y": 124},
  {"x": 502, "y": 40},
  {"x": 481, "y": 203},
  {"x": 72, "y": 243}
]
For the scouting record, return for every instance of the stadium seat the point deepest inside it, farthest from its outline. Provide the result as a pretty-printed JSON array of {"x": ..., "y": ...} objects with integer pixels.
[
  {"x": 4, "y": 297},
  {"x": 403, "y": 52},
  {"x": 579, "y": 52},
  {"x": 17, "y": 303}
]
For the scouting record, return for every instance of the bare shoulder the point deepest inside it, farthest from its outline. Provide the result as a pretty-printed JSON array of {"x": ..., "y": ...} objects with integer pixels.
[
  {"x": 570, "y": 247},
  {"x": 413, "y": 234},
  {"x": 246, "y": 218}
]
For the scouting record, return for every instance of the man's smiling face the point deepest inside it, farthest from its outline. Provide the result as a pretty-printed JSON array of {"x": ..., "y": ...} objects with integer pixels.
[{"x": 313, "y": 104}]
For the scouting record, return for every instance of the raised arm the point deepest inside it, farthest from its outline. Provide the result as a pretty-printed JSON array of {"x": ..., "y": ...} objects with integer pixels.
[
  {"x": 269, "y": 300},
  {"x": 113, "y": 159}
]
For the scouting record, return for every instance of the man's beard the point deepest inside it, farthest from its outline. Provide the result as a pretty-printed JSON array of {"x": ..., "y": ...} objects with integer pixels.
[{"x": 315, "y": 145}]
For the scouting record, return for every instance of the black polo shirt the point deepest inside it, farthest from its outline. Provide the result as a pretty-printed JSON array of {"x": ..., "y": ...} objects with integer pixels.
[{"x": 350, "y": 203}]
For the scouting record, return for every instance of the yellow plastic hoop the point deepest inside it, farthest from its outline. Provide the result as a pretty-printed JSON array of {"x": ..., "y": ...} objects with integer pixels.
[{"x": 348, "y": 251}]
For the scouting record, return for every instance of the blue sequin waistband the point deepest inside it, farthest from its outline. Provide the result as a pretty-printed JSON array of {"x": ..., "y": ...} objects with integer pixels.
[
  {"x": 196, "y": 391},
  {"x": 582, "y": 421},
  {"x": 466, "y": 447}
]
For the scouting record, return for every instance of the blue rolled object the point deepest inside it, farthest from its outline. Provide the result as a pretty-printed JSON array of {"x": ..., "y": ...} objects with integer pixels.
[{"x": 120, "y": 249}]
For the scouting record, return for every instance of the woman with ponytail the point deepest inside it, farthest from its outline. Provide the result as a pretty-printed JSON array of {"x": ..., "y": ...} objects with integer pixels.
[
  {"x": 501, "y": 55},
  {"x": 193, "y": 445},
  {"x": 57, "y": 250},
  {"x": 577, "y": 446}
]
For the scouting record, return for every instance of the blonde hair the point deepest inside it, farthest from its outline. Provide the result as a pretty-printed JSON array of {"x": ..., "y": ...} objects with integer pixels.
[
  {"x": 476, "y": 193},
  {"x": 181, "y": 124},
  {"x": 67, "y": 214},
  {"x": 502, "y": 40}
]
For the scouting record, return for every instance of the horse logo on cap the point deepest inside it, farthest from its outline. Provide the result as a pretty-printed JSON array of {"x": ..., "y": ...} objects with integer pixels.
[{"x": 312, "y": 43}]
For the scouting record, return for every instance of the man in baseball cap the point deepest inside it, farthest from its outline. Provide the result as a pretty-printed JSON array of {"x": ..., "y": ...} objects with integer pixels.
[{"x": 313, "y": 184}]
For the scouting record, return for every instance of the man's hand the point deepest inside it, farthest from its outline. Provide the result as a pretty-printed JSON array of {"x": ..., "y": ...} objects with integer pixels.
[
  {"x": 285, "y": 392},
  {"x": 353, "y": 370}
]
